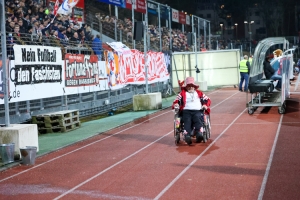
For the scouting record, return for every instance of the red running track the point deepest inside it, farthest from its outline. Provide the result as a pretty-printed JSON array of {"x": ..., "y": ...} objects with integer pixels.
[{"x": 248, "y": 157}]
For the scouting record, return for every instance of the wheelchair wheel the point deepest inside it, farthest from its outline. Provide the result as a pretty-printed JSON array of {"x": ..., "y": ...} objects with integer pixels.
[
  {"x": 177, "y": 139},
  {"x": 176, "y": 134},
  {"x": 175, "y": 130},
  {"x": 208, "y": 127},
  {"x": 205, "y": 134}
]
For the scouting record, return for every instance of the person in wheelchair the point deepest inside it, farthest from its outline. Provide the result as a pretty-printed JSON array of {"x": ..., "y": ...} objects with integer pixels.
[{"x": 190, "y": 101}]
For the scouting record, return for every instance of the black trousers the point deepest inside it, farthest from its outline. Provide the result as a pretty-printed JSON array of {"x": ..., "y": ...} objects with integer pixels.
[{"x": 191, "y": 119}]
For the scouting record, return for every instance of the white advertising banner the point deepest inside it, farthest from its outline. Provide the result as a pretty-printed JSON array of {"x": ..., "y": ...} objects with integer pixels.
[
  {"x": 39, "y": 72},
  {"x": 175, "y": 15},
  {"x": 35, "y": 73},
  {"x": 188, "y": 21}
]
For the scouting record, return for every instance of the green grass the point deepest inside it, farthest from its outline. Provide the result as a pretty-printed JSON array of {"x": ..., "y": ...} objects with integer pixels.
[{"x": 104, "y": 115}]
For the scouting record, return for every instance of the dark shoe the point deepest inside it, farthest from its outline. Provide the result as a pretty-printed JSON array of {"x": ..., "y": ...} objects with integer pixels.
[
  {"x": 199, "y": 137},
  {"x": 188, "y": 139},
  {"x": 241, "y": 90},
  {"x": 192, "y": 134}
]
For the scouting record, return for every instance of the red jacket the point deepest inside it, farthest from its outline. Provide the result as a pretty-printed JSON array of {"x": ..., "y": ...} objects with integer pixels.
[{"x": 181, "y": 100}]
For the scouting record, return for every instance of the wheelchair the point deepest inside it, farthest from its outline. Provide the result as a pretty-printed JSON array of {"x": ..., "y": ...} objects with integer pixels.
[{"x": 179, "y": 126}]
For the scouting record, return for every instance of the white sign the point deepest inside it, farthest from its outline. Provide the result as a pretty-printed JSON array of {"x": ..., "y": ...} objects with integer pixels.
[
  {"x": 36, "y": 64},
  {"x": 175, "y": 15},
  {"x": 19, "y": 90},
  {"x": 36, "y": 55},
  {"x": 188, "y": 22}
]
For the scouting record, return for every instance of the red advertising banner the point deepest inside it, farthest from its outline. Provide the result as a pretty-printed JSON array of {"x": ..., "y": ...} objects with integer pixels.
[
  {"x": 182, "y": 18},
  {"x": 81, "y": 70},
  {"x": 139, "y": 7}
]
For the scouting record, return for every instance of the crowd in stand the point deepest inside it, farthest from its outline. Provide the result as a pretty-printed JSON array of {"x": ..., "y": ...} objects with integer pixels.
[
  {"x": 32, "y": 22},
  {"x": 179, "y": 38}
]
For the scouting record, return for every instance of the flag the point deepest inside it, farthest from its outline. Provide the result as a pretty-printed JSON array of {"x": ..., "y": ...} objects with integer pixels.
[
  {"x": 56, "y": 5},
  {"x": 66, "y": 7}
]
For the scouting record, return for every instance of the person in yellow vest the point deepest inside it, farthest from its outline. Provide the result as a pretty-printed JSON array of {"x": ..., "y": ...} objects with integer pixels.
[
  {"x": 244, "y": 73},
  {"x": 250, "y": 59}
]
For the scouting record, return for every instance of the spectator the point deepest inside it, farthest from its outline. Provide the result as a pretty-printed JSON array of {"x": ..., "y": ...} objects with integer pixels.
[
  {"x": 60, "y": 34},
  {"x": 190, "y": 101},
  {"x": 71, "y": 26},
  {"x": 76, "y": 28},
  {"x": 268, "y": 70},
  {"x": 59, "y": 25},
  {"x": 65, "y": 21},
  {"x": 81, "y": 35},
  {"x": 76, "y": 40},
  {"x": 10, "y": 27},
  {"x": 26, "y": 21},
  {"x": 54, "y": 26},
  {"x": 17, "y": 36},
  {"x": 75, "y": 22},
  {"x": 29, "y": 30},
  {"x": 11, "y": 7},
  {"x": 244, "y": 73},
  {"x": 277, "y": 76},
  {"x": 22, "y": 28},
  {"x": 35, "y": 25},
  {"x": 88, "y": 34},
  {"x": 83, "y": 27},
  {"x": 69, "y": 32},
  {"x": 97, "y": 46},
  {"x": 42, "y": 30}
]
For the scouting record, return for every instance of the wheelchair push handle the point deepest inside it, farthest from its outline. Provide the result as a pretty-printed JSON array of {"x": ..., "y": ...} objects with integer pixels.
[
  {"x": 176, "y": 108},
  {"x": 204, "y": 108}
]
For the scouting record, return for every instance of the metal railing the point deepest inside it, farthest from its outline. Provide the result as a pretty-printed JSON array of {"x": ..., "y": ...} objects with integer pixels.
[{"x": 91, "y": 103}]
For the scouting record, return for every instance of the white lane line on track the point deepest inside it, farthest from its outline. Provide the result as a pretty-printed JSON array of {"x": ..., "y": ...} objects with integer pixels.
[
  {"x": 261, "y": 123},
  {"x": 196, "y": 159},
  {"x": 263, "y": 185},
  {"x": 112, "y": 166},
  {"x": 80, "y": 148},
  {"x": 224, "y": 100}
]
